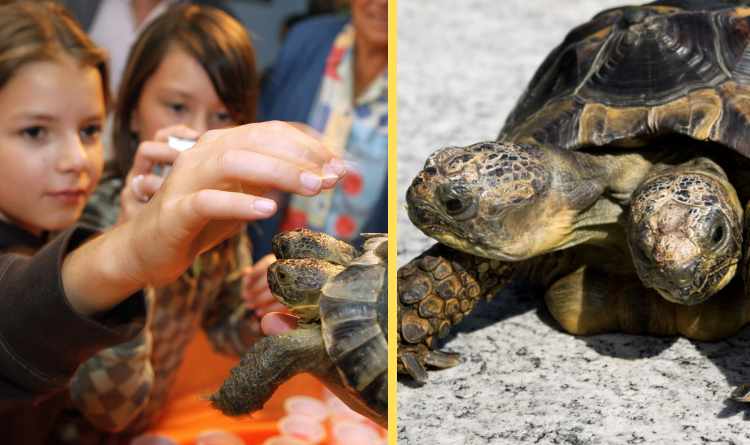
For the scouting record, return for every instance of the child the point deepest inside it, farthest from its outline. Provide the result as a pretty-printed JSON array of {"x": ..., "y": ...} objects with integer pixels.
[
  {"x": 191, "y": 70},
  {"x": 50, "y": 162},
  {"x": 80, "y": 293}
]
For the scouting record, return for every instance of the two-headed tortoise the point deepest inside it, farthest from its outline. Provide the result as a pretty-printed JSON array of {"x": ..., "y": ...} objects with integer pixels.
[
  {"x": 340, "y": 296},
  {"x": 618, "y": 179}
]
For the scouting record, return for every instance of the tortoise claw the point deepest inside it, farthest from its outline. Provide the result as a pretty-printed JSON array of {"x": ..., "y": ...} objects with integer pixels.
[
  {"x": 742, "y": 393},
  {"x": 414, "y": 361},
  {"x": 440, "y": 359},
  {"x": 413, "y": 367}
]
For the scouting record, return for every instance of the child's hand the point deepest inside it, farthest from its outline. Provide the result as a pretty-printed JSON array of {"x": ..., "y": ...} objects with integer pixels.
[
  {"x": 276, "y": 323},
  {"x": 255, "y": 290},
  {"x": 141, "y": 183},
  {"x": 217, "y": 185},
  {"x": 212, "y": 189}
]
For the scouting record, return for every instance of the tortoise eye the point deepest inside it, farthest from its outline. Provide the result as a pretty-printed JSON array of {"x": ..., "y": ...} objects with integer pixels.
[
  {"x": 457, "y": 201},
  {"x": 283, "y": 275},
  {"x": 717, "y": 236},
  {"x": 719, "y": 231},
  {"x": 461, "y": 209},
  {"x": 454, "y": 206}
]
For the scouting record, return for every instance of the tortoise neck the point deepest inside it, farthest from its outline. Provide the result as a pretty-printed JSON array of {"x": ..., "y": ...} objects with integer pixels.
[{"x": 616, "y": 173}]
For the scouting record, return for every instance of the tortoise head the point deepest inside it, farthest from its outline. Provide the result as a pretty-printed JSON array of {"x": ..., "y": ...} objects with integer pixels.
[
  {"x": 490, "y": 199},
  {"x": 685, "y": 231},
  {"x": 304, "y": 243},
  {"x": 296, "y": 283}
]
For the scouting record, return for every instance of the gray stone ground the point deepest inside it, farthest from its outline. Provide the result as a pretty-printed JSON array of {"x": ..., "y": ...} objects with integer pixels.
[{"x": 461, "y": 67}]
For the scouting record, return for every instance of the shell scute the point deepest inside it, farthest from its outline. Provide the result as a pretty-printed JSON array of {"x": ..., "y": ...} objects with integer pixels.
[{"x": 353, "y": 312}]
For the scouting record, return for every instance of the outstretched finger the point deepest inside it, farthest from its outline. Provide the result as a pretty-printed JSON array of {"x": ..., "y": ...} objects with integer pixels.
[
  {"x": 239, "y": 166},
  {"x": 313, "y": 139},
  {"x": 280, "y": 140},
  {"x": 147, "y": 185},
  {"x": 197, "y": 210}
]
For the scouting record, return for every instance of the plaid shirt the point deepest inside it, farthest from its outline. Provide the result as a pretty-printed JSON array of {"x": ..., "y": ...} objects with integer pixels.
[{"x": 207, "y": 296}]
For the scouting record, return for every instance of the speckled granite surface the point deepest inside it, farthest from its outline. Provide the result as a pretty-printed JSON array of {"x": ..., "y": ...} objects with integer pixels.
[{"x": 461, "y": 67}]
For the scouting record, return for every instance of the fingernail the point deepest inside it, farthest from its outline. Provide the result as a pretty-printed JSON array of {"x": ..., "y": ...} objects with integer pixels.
[
  {"x": 310, "y": 181},
  {"x": 329, "y": 176},
  {"x": 338, "y": 166},
  {"x": 328, "y": 171},
  {"x": 265, "y": 206}
]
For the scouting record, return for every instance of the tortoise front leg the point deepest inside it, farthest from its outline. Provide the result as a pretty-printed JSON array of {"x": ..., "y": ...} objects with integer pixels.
[
  {"x": 435, "y": 291},
  {"x": 270, "y": 362}
]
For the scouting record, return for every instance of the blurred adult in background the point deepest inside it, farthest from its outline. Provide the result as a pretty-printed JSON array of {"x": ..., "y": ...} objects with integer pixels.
[{"x": 332, "y": 75}]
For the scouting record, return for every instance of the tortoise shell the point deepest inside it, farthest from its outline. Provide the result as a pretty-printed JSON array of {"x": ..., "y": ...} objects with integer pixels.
[
  {"x": 354, "y": 317},
  {"x": 598, "y": 88}
]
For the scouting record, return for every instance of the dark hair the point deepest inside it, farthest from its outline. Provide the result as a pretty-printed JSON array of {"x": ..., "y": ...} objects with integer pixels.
[
  {"x": 44, "y": 31},
  {"x": 216, "y": 40}
]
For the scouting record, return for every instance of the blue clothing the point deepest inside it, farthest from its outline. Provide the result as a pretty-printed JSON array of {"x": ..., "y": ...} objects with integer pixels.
[{"x": 289, "y": 93}]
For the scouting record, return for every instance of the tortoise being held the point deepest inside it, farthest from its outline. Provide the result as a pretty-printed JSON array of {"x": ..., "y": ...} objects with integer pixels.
[
  {"x": 340, "y": 296},
  {"x": 638, "y": 96}
]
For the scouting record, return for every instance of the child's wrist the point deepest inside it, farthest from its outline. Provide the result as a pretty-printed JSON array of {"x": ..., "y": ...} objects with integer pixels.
[
  {"x": 98, "y": 275},
  {"x": 124, "y": 264}
]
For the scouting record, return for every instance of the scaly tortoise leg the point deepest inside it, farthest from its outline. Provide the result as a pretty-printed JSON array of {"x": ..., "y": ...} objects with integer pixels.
[
  {"x": 270, "y": 362},
  {"x": 435, "y": 291}
]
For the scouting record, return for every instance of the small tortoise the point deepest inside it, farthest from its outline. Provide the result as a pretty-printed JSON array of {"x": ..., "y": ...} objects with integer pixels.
[
  {"x": 626, "y": 157},
  {"x": 340, "y": 296}
]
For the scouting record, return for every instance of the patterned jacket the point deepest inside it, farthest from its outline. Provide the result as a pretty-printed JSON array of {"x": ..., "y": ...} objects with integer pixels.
[
  {"x": 206, "y": 296},
  {"x": 38, "y": 360}
]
